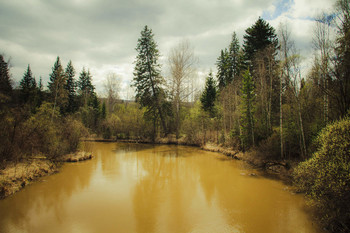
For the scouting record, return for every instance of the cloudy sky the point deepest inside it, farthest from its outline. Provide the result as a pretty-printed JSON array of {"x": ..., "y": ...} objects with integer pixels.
[{"x": 102, "y": 34}]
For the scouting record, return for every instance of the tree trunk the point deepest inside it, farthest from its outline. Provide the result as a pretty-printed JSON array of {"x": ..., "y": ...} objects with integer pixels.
[
  {"x": 302, "y": 146},
  {"x": 281, "y": 115}
]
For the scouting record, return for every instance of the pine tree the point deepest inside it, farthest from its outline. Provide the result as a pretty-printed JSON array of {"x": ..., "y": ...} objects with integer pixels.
[
  {"x": 340, "y": 85},
  {"x": 103, "y": 110},
  {"x": 40, "y": 92},
  {"x": 28, "y": 87},
  {"x": 85, "y": 87},
  {"x": 89, "y": 103},
  {"x": 147, "y": 78},
  {"x": 229, "y": 63},
  {"x": 247, "y": 121},
  {"x": 235, "y": 58},
  {"x": 260, "y": 48},
  {"x": 209, "y": 95},
  {"x": 71, "y": 87},
  {"x": 223, "y": 75},
  {"x": 258, "y": 37},
  {"x": 57, "y": 84},
  {"x": 40, "y": 84},
  {"x": 5, "y": 80}
]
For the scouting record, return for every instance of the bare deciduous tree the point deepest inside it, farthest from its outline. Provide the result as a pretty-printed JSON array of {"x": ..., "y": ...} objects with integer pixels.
[
  {"x": 112, "y": 88},
  {"x": 182, "y": 67},
  {"x": 285, "y": 45},
  {"x": 290, "y": 76},
  {"x": 322, "y": 45}
]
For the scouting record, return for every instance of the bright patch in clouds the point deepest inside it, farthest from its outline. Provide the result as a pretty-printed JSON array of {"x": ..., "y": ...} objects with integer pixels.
[
  {"x": 102, "y": 35},
  {"x": 277, "y": 9}
]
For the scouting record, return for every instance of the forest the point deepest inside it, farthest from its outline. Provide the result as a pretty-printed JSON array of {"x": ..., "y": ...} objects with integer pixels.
[{"x": 257, "y": 99}]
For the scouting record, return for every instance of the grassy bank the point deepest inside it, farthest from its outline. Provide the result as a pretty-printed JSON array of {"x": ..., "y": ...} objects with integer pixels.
[{"x": 17, "y": 175}]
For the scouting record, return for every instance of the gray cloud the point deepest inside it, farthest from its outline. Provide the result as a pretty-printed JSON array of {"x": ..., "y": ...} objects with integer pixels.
[{"x": 102, "y": 34}]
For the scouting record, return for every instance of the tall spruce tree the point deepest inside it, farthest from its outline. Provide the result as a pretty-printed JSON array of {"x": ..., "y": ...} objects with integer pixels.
[
  {"x": 57, "y": 84},
  {"x": 71, "y": 88},
  {"x": 5, "y": 80},
  {"x": 209, "y": 95},
  {"x": 235, "y": 58},
  {"x": 260, "y": 48},
  {"x": 229, "y": 63},
  {"x": 340, "y": 85},
  {"x": 147, "y": 78},
  {"x": 248, "y": 108},
  {"x": 223, "y": 66},
  {"x": 85, "y": 87},
  {"x": 28, "y": 89},
  {"x": 258, "y": 37}
]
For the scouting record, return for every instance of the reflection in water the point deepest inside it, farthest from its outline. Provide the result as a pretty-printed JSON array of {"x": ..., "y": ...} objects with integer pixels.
[{"x": 146, "y": 188}]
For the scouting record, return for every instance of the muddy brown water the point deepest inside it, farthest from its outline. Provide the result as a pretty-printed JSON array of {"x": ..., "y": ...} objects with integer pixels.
[{"x": 162, "y": 188}]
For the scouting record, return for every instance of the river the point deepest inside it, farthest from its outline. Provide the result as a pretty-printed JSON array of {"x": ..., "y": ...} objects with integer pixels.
[{"x": 161, "y": 188}]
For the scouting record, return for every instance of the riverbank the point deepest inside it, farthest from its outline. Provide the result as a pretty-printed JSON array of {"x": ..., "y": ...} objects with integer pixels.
[
  {"x": 273, "y": 168},
  {"x": 17, "y": 175}
]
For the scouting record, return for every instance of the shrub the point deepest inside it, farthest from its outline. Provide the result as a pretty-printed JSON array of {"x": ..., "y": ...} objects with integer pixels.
[
  {"x": 72, "y": 131},
  {"x": 325, "y": 177},
  {"x": 46, "y": 132}
]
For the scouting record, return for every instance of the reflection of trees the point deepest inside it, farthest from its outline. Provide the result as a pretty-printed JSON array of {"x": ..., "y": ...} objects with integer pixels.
[
  {"x": 251, "y": 204},
  {"x": 164, "y": 199},
  {"x": 156, "y": 189},
  {"x": 163, "y": 189},
  {"x": 109, "y": 159}
]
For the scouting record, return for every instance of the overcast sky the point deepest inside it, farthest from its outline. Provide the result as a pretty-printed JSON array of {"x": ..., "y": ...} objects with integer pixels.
[{"x": 101, "y": 35}]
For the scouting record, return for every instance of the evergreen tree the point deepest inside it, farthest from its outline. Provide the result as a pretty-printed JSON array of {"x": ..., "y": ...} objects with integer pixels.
[
  {"x": 57, "y": 84},
  {"x": 40, "y": 84},
  {"x": 235, "y": 58},
  {"x": 229, "y": 63},
  {"x": 40, "y": 92},
  {"x": 209, "y": 94},
  {"x": 28, "y": 87},
  {"x": 94, "y": 108},
  {"x": 260, "y": 48},
  {"x": 103, "y": 110},
  {"x": 71, "y": 87},
  {"x": 247, "y": 120},
  {"x": 147, "y": 78},
  {"x": 89, "y": 103},
  {"x": 223, "y": 67},
  {"x": 5, "y": 80},
  {"x": 85, "y": 87},
  {"x": 258, "y": 37},
  {"x": 340, "y": 83}
]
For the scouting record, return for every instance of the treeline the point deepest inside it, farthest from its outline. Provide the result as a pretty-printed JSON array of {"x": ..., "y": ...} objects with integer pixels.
[
  {"x": 259, "y": 96},
  {"x": 48, "y": 122}
]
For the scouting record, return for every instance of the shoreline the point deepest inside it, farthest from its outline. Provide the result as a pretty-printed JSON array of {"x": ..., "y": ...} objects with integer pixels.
[
  {"x": 16, "y": 175},
  {"x": 272, "y": 168}
]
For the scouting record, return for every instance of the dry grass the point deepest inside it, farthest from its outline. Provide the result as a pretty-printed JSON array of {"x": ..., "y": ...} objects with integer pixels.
[
  {"x": 17, "y": 175},
  {"x": 76, "y": 157},
  {"x": 226, "y": 151}
]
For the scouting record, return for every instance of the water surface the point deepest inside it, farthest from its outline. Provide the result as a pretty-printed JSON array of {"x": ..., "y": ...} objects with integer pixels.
[{"x": 162, "y": 188}]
